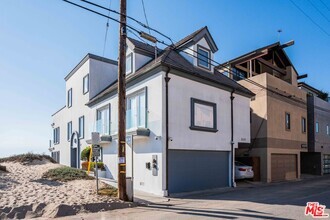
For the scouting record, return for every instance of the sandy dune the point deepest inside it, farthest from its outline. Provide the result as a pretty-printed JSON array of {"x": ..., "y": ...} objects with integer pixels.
[{"x": 24, "y": 194}]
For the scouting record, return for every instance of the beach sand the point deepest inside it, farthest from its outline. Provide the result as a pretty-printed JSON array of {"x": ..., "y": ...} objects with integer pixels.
[{"x": 24, "y": 194}]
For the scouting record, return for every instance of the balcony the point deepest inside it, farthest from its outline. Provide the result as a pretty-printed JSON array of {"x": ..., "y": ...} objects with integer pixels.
[{"x": 103, "y": 128}]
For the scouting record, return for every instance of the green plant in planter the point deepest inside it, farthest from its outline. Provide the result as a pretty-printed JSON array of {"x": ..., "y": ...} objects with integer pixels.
[
  {"x": 100, "y": 165},
  {"x": 84, "y": 155}
]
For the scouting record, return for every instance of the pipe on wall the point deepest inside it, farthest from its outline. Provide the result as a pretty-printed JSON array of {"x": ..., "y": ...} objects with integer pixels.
[
  {"x": 232, "y": 97},
  {"x": 167, "y": 79}
]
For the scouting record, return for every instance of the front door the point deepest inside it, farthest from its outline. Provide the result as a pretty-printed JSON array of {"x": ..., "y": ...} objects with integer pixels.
[{"x": 75, "y": 150}]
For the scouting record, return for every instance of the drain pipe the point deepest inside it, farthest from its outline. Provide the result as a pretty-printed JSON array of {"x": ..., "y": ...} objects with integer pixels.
[
  {"x": 167, "y": 79},
  {"x": 232, "y": 97}
]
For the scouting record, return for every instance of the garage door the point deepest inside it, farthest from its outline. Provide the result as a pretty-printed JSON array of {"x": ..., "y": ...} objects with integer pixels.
[
  {"x": 284, "y": 167},
  {"x": 197, "y": 170}
]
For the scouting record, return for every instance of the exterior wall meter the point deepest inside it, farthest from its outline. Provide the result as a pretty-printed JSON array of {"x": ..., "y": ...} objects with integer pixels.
[{"x": 154, "y": 165}]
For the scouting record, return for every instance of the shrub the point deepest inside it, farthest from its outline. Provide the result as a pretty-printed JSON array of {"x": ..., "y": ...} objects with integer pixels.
[
  {"x": 84, "y": 155},
  {"x": 108, "y": 191},
  {"x": 84, "y": 165},
  {"x": 27, "y": 158},
  {"x": 65, "y": 174}
]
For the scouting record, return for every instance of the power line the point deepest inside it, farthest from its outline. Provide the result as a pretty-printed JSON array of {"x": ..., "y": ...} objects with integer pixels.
[
  {"x": 145, "y": 15},
  {"x": 133, "y": 19},
  {"x": 311, "y": 19},
  {"x": 182, "y": 50},
  {"x": 325, "y": 5},
  {"x": 106, "y": 30},
  {"x": 320, "y": 12},
  {"x": 98, "y": 13}
]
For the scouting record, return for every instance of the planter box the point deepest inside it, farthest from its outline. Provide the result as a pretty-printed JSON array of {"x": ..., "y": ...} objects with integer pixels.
[{"x": 101, "y": 173}]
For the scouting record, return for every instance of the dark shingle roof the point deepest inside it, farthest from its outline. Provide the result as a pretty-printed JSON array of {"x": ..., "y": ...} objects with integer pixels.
[
  {"x": 170, "y": 57},
  {"x": 143, "y": 46}
]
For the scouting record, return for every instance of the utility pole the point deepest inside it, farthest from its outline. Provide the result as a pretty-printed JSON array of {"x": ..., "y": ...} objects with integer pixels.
[{"x": 122, "y": 194}]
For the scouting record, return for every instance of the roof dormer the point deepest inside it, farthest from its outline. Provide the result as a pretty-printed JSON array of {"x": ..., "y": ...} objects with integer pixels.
[
  {"x": 199, "y": 48},
  {"x": 137, "y": 55}
]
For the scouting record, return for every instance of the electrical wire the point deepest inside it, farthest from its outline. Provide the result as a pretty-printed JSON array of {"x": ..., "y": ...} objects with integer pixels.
[
  {"x": 98, "y": 13},
  {"x": 310, "y": 18},
  {"x": 145, "y": 15},
  {"x": 106, "y": 31},
  {"x": 182, "y": 50},
  {"x": 319, "y": 11},
  {"x": 325, "y": 5},
  {"x": 129, "y": 17}
]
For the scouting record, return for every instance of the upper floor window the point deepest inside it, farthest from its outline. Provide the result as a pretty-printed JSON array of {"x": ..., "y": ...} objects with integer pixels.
[
  {"x": 86, "y": 84},
  {"x": 129, "y": 63},
  {"x": 303, "y": 125},
  {"x": 69, "y": 98},
  {"x": 203, "y": 57},
  {"x": 287, "y": 121},
  {"x": 203, "y": 115},
  {"x": 136, "y": 110},
  {"x": 69, "y": 133},
  {"x": 317, "y": 127},
  {"x": 328, "y": 131},
  {"x": 82, "y": 127},
  {"x": 103, "y": 120},
  {"x": 56, "y": 135},
  {"x": 238, "y": 74}
]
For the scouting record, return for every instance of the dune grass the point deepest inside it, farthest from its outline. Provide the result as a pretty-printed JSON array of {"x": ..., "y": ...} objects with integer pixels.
[
  {"x": 65, "y": 174},
  {"x": 108, "y": 191},
  {"x": 27, "y": 158}
]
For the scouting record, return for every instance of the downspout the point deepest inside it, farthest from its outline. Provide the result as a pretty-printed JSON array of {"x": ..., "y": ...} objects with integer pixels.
[
  {"x": 233, "y": 184},
  {"x": 167, "y": 79}
]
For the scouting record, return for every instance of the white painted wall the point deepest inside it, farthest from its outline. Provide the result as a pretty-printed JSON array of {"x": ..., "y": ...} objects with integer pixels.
[
  {"x": 100, "y": 75},
  {"x": 144, "y": 147},
  {"x": 181, "y": 90},
  {"x": 139, "y": 60},
  {"x": 73, "y": 113}
]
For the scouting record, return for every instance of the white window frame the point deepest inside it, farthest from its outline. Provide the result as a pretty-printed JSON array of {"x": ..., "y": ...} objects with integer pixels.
[
  {"x": 208, "y": 57},
  {"x": 131, "y": 63},
  {"x": 69, "y": 130},
  {"x": 69, "y": 98},
  {"x": 138, "y": 119},
  {"x": 81, "y": 123},
  {"x": 86, "y": 88},
  {"x": 56, "y": 135},
  {"x": 106, "y": 107}
]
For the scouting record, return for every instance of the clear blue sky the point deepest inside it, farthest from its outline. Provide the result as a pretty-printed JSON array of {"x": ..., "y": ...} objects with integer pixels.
[{"x": 41, "y": 41}]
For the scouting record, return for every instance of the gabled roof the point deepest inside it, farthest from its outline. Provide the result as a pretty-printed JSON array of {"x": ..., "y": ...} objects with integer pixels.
[
  {"x": 263, "y": 50},
  {"x": 89, "y": 56},
  {"x": 197, "y": 36},
  {"x": 142, "y": 48},
  {"x": 170, "y": 57}
]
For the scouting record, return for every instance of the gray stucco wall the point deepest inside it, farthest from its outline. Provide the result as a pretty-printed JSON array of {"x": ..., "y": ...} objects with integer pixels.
[
  {"x": 322, "y": 116},
  {"x": 197, "y": 170}
]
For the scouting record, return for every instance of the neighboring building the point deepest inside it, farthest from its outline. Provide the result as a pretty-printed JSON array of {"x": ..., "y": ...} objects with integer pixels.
[
  {"x": 73, "y": 123},
  {"x": 317, "y": 159},
  {"x": 178, "y": 118},
  {"x": 278, "y": 111}
]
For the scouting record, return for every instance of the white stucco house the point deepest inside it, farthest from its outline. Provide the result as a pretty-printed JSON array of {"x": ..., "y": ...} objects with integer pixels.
[{"x": 180, "y": 132}]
